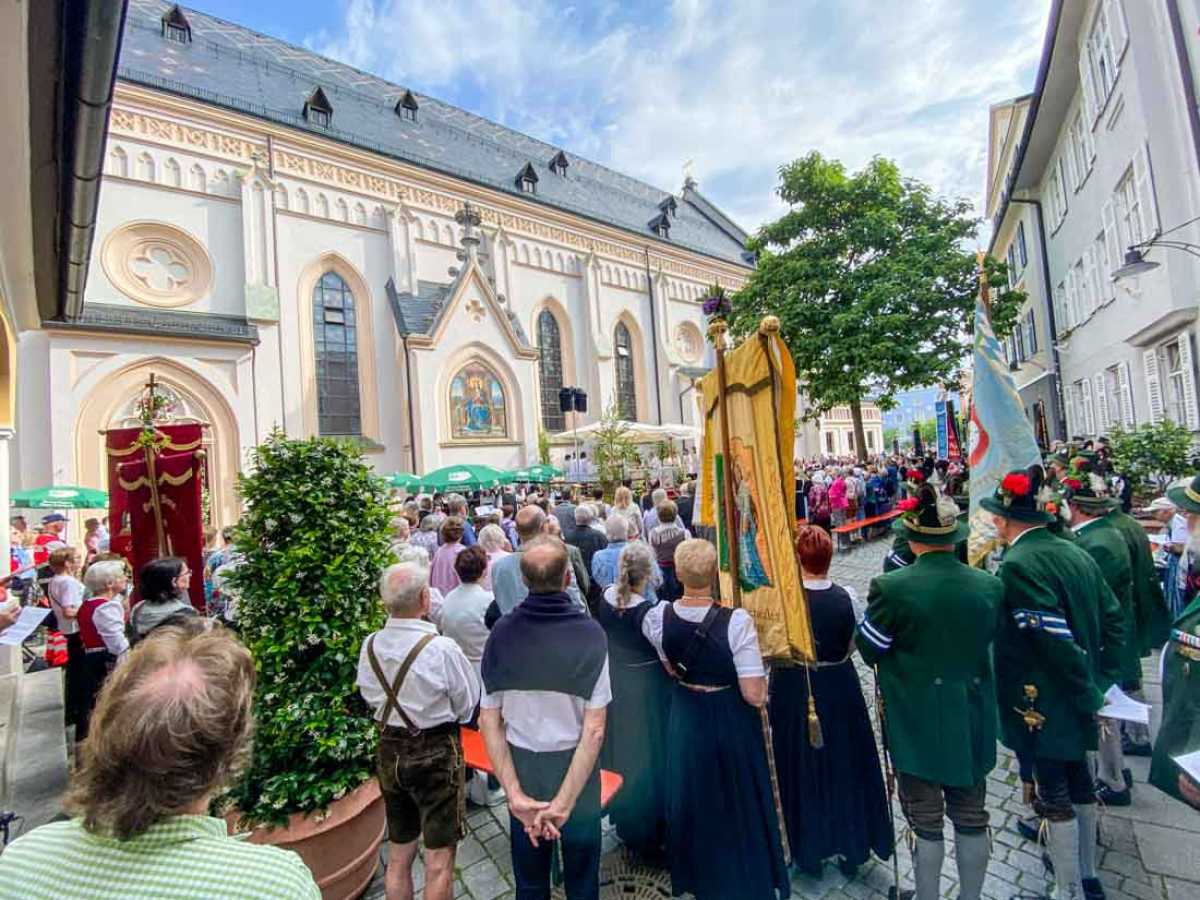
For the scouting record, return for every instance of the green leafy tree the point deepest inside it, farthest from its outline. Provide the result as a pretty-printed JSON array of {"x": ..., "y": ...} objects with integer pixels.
[
  {"x": 315, "y": 537},
  {"x": 1153, "y": 454},
  {"x": 872, "y": 283},
  {"x": 613, "y": 447},
  {"x": 543, "y": 447}
]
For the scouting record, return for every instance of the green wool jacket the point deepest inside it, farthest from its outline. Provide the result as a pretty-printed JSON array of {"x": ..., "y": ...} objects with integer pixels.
[
  {"x": 1056, "y": 637},
  {"x": 1106, "y": 545},
  {"x": 1180, "y": 732},
  {"x": 1153, "y": 619},
  {"x": 929, "y": 630}
]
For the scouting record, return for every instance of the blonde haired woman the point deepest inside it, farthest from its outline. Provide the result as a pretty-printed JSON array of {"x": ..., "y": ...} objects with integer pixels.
[
  {"x": 638, "y": 717},
  {"x": 624, "y": 507}
]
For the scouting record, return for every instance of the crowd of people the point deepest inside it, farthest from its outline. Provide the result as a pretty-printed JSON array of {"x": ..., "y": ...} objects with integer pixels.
[{"x": 578, "y": 635}]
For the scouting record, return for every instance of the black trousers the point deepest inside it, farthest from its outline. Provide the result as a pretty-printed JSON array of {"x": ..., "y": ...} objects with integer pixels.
[
  {"x": 540, "y": 775},
  {"x": 1062, "y": 785}
]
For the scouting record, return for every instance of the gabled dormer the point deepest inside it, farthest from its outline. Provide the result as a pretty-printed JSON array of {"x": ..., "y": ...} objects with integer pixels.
[
  {"x": 661, "y": 225},
  {"x": 175, "y": 26},
  {"x": 406, "y": 107},
  {"x": 668, "y": 205},
  {"x": 317, "y": 109},
  {"x": 527, "y": 179},
  {"x": 558, "y": 165}
]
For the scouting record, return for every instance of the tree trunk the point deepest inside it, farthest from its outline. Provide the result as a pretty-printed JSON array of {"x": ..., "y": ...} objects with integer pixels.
[{"x": 860, "y": 436}]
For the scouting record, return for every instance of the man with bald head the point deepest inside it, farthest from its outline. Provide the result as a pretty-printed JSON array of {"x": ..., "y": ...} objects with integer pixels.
[
  {"x": 170, "y": 732},
  {"x": 508, "y": 586},
  {"x": 546, "y": 689}
]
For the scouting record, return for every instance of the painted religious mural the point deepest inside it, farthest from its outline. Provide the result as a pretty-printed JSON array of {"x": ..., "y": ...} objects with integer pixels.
[{"x": 478, "y": 410}]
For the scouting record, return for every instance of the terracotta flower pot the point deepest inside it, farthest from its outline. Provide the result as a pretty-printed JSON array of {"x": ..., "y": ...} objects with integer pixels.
[{"x": 341, "y": 847}]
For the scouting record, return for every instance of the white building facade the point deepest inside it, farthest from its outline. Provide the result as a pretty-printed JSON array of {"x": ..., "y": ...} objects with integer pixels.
[
  {"x": 1103, "y": 156},
  {"x": 836, "y": 429},
  {"x": 289, "y": 243}
]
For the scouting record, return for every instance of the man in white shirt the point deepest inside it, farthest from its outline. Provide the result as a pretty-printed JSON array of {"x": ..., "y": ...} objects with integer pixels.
[
  {"x": 421, "y": 687},
  {"x": 546, "y": 690}
]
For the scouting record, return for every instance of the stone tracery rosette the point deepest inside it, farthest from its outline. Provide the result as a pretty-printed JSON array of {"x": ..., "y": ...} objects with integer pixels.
[{"x": 157, "y": 264}]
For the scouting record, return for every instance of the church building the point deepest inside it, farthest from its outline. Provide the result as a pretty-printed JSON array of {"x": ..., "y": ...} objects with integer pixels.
[{"x": 287, "y": 242}]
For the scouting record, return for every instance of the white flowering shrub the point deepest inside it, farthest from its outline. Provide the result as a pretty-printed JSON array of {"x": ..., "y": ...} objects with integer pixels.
[{"x": 315, "y": 537}]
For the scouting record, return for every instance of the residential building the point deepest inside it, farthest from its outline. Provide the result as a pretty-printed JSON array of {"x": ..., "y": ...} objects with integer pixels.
[
  {"x": 836, "y": 429},
  {"x": 1106, "y": 159},
  {"x": 287, "y": 242}
]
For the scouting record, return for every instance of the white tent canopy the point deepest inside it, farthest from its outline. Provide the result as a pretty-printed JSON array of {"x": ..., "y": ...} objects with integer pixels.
[{"x": 638, "y": 432}]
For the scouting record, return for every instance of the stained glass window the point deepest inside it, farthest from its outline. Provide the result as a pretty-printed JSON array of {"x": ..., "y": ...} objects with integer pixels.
[
  {"x": 626, "y": 392},
  {"x": 550, "y": 348},
  {"x": 335, "y": 339}
]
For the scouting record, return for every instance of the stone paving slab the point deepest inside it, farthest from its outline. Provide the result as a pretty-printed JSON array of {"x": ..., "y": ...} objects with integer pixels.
[{"x": 1150, "y": 850}]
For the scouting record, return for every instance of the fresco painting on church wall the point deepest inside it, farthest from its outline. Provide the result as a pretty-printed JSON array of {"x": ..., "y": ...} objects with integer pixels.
[{"x": 478, "y": 410}]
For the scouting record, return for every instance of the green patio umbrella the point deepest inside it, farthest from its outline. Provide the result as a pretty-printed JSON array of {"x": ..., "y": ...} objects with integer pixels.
[
  {"x": 539, "y": 474},
  {"x": 462, "y": 478},
  {"x": 60, "y": 497},
  {"x": 404, "y": 481}
]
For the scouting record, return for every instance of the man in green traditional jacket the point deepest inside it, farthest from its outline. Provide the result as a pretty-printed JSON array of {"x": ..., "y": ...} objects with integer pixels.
[
  {"x": 1152, "y": 619},
  {"x": 1055, "y": 658},
  {"x": 1180, "y": 731},
  {"x": 929, "y": 630},
  {"x": 1096, "y": 534}
]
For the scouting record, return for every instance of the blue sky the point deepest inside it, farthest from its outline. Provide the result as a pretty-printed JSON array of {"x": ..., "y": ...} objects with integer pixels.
[{"x": 739, "y": 88}]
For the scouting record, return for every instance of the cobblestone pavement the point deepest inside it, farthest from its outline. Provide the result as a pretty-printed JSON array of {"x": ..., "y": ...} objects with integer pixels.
[{"x": 1149, "y": 851}]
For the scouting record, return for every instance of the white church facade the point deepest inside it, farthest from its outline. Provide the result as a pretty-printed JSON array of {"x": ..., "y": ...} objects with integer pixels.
[{"x": 287, "y": 242}]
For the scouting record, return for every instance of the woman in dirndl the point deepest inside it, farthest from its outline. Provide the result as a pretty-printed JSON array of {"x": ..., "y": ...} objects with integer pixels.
[{"x": 723, "y": 832}]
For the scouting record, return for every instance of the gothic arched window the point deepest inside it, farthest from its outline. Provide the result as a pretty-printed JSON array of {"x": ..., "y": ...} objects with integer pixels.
[
  {"x": 626, "y": 391},
  {"x": 335, "y": 340},
  {"x": 549, "y": 341}
]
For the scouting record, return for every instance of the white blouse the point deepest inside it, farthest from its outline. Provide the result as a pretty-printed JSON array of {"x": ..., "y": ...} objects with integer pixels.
[{"x": 743, "y": 639}]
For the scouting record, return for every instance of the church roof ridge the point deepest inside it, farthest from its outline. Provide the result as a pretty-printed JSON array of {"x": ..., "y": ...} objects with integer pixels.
[{"x": 269, "y": 78}]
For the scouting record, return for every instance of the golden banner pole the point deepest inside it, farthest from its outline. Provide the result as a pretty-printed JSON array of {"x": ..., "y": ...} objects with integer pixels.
[{"x": 717, "y": 331}]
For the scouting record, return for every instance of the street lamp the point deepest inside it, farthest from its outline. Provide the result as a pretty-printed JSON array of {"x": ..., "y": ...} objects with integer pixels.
[{"x": 1135, "y": 255}]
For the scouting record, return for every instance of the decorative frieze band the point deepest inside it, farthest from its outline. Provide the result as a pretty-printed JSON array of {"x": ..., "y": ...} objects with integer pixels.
[{"x": 138, "y": 124}]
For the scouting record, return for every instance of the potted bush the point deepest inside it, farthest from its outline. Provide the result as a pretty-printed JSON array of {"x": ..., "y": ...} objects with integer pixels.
[{"x": 315, "y": 537}]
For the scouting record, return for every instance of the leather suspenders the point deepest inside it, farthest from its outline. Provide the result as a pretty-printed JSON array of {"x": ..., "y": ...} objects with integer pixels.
[{"x": 393, "y": 690}]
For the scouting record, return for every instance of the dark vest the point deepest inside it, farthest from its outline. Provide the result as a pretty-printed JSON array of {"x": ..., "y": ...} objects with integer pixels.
[{"x": 712, "y": 663}]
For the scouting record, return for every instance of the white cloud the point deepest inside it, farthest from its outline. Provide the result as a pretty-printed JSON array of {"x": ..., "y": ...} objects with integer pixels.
[{"x": 739, "y": 88}]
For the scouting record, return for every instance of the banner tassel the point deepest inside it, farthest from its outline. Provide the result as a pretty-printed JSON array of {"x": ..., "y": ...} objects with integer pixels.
[{"x": 816, "y": 737}]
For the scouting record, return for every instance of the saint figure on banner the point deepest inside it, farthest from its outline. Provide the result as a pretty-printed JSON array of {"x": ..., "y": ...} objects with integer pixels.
[{"x": 752, "y": 543}]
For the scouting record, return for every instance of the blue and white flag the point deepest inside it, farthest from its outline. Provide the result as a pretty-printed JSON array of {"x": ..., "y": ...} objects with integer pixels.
[{"x": 1001, "y": 437}]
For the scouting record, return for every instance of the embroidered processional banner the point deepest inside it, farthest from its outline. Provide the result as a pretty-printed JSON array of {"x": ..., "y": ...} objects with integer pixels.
[
  {"x": 761, "y": 404},
  {"x": 155, "y": 478}
]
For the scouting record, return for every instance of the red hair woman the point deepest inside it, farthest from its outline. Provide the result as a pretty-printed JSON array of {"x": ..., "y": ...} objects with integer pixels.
[{"x": 829, "y": 775}]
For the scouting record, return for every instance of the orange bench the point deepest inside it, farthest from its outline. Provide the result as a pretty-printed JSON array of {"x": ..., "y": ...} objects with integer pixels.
[
  {"x": 858, "y": 524},
  {"x": 476, "y": 757}
]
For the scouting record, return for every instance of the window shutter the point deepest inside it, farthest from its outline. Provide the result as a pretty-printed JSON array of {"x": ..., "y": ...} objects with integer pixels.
[
  {"x": 1112, "y": 239},
  {"x": 1031, "y": 330},
  {"x": 1069, "y": 403},
  {"x": 1125, "y": 386},
  {"x": 1101, "y": 403},
  {"x": 1118, "y": 29},
  {"x": 1096, "y": 270},
  {"x": 1091, "y": 298},
  {"x": 1153, "y": 386},
  {"x": 1073, "y": 316},
  {"x": 1143, "y": 181},
  {"x": 1090, "y": 107},
  {"x": 1190, "y": 411},
  {"x": 1089, "y": 418},
  {"x": 1062, "y": 188}
]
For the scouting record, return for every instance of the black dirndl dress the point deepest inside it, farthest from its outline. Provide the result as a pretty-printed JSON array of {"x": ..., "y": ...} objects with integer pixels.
[
  {"x": 636, "y": 729},
  {"x": 834, "y": 800},
  {"x": 723, "y": 838}
]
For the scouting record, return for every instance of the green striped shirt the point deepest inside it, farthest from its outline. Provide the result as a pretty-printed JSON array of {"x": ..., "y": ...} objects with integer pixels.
[{"x": 183, "y": 856}]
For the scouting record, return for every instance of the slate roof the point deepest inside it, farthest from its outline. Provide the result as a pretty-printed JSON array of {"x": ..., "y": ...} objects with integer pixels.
[
  {"x": 420, "y": 313},
  {"x": 236, "y": 68}
]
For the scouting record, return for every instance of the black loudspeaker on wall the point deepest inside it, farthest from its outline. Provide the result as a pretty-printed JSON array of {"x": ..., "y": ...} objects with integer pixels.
[
  {"x": 566, "y": 399},
  {"x": 580, "y": 401}
]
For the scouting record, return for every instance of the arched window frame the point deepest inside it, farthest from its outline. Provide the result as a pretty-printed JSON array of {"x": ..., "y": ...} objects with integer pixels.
[
  {"x": 307, "y": 283},
  {"x": 550, "y": 370},
  {"x": 625, "y": 382},
  {"x": 506, "y": 396},
  {"x": 335, "y": 331}
]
